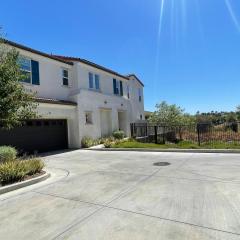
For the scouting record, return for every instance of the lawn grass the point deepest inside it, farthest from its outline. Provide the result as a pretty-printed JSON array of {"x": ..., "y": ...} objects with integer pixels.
[{"x": 180, "y": 145}]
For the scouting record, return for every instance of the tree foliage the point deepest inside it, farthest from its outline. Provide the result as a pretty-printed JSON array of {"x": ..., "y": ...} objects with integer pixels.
[
  {"x": 167, "y": 114},
  {"x": 15, "y": 103}
]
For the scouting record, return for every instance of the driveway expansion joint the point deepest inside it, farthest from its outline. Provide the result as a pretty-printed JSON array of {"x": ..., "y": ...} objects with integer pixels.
[
  {"x": 210, "y": 211},
  {"x": 106, "y": 206}
]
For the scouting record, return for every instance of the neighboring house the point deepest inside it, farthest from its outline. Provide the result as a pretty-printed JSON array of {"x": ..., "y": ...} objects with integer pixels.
[
  {"x": 147, "y": 114},
  {"x": 92, "y": 100}
]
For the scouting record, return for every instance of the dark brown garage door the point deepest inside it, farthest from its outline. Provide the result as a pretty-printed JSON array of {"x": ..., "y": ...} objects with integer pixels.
[{"x": 37, "y": 136}]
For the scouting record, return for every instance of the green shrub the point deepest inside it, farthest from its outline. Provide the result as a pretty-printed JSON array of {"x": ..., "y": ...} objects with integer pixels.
[
  {"x": 108, "y": 143},
  {"x": 118, "y": 134},
  {"x": 87, "y": 142},
  {"x": 14, "y": 171},
  {"x": 11, "y": 172},
  {"x": 7, "y": 154},
  {"x": 33, "y": 165},
  {"x": 102, "y": 140},
  {"x": 96, "y": 142}
]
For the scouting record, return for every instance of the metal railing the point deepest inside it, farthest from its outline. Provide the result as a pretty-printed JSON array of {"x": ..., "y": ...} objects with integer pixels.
[{"x": 227, "y": 133}]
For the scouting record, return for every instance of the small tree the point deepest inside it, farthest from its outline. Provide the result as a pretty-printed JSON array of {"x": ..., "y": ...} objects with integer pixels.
[
  {"x": 166, "y": 114},
  {"x": 16, "y": 104},
  {"x": 238, "y": 112}
]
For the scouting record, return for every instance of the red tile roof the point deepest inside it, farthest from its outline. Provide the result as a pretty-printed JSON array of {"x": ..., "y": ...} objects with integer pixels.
[
  {"x": 20, "y": 46},
  {"x": 75, "y": 59},
  {"x": 55, "y": 101},
  {"x": 69, "y": 60},
  {"x": 133, "y": 75}
]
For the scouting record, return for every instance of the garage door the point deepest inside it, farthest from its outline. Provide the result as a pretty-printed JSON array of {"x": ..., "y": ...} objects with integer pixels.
[{"x": 37, "y": 136}]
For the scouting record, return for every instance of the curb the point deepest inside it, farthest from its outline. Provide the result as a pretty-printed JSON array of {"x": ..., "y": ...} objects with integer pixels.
[
  {"x": 26, "y": 183},
  {"x": 236, "y": 151}
]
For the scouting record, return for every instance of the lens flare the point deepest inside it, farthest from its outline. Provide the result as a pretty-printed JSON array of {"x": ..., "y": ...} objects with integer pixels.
[
  {"x": 161, "y": 19},
  {"x": 232, "y": 14},
  {"x": 160, "y": 24}
]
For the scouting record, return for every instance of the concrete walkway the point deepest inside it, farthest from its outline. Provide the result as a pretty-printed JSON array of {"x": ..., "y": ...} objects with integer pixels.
[{"x": 123, "y": 196}]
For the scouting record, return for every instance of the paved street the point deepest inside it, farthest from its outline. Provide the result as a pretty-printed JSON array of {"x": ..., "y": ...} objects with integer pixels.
[{"x": 123, "y": 196}]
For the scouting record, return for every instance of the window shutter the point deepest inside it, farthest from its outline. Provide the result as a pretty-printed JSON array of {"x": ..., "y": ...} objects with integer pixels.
[
  {"x": 114, "y": 86},
  {"x": 121, "y": 88},
  {"x": 97, "y": 84},
  {"x": 35, "y": 72}
]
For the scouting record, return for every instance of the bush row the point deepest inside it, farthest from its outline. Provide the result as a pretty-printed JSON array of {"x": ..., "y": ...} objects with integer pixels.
[
  {"x": 13, "y": 169},
  {"x": 89, "y": 142}
]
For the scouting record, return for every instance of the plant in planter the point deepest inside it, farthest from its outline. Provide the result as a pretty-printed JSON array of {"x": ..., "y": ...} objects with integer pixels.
[
  {"x": 108, "y": 143},
  {"x": 118, "y": 134},
  {"x": 17, "y": 170},
  {"x": 7, "y": 154},
  {"x": 13, "y": 169},
  {"x": 87, "y": 142}
]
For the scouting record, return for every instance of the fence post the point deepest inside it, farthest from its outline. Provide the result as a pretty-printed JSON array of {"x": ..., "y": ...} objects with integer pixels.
[
  {"x": 164, "y": 137},
  {"x": 131, "y": 127},
  {"x": 198, "y": 134},
  {"x": 146, "y": 133},
  {"x": 155, "y": 134}
]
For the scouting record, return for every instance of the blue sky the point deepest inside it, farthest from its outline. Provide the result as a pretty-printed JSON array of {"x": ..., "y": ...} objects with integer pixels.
[{"x": 189, "y": 56}]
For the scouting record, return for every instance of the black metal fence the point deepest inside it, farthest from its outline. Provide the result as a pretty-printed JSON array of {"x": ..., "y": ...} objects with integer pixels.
[{"x": 201, "y": 133}]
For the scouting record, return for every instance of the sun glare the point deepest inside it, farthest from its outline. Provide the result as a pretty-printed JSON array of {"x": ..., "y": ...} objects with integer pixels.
[{"x": 232, "y": 14}]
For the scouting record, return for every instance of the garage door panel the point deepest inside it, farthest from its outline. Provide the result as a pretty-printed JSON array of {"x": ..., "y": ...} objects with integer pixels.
[{"x": 37, "y": 136}]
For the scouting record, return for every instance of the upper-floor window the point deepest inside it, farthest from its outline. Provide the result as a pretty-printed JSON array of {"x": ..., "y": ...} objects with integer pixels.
[
  {"x": 139, "y": 95},
  {"x": 30, "y": 70},
  {"x": 97, "y": 82},
  {"x": 117, "y": 87},
  {"x": 65, "y": 77},
  {"x": 90, "y": 78},
  {"x": 94, "y": 81}
]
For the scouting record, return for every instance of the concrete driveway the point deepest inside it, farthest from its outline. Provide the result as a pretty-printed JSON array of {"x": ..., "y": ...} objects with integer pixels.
[{"x": 123, "y": 196}]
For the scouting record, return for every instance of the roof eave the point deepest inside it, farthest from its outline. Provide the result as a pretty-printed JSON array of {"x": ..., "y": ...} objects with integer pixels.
[
  {"x": 92, "y": 65},
  {"x": 55, "y": 101},
  {"x": 20, "y": 46},
  {"x": 133, "y": 75}
]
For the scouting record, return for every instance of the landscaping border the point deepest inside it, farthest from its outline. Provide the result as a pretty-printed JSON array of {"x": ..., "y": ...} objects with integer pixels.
[
  {"x": 22, "y": 184},
  {"x": 236, "y": 151}
]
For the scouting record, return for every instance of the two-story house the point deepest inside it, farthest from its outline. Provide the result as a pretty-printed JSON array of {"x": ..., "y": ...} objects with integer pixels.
[{"x": 77, "y": 98}]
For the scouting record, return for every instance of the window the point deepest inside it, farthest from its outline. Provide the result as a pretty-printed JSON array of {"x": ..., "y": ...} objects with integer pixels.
[
  {"x": 88, "y": 117},
  {"x": 94, "y": 81},
  {"x": 128, "y": 92},
  {"x": 30, "y": 70},
  {"x": 25, "y": 67},
  {"x": 97, "y": 84},
  {"x": 139, "y": 95},
  {"x": 90, "y": 77},
  {"x": 65, "y": 77},
  {"x": 141, "y": 117},
  {"x": 117, "y": 87}
]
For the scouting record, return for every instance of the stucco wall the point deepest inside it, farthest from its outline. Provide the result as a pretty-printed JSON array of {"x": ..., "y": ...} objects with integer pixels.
[
  {"x": 106, "y": 79},
  {"x": 137, "y": 107},
  {"x": 50, "y": 73},
  {"x": 93, "y": 102},
  {"x": 87, "y": 100}
]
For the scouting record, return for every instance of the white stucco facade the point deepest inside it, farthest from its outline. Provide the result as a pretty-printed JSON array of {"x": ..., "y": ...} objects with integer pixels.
[{"x": 108, "y": 111}]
